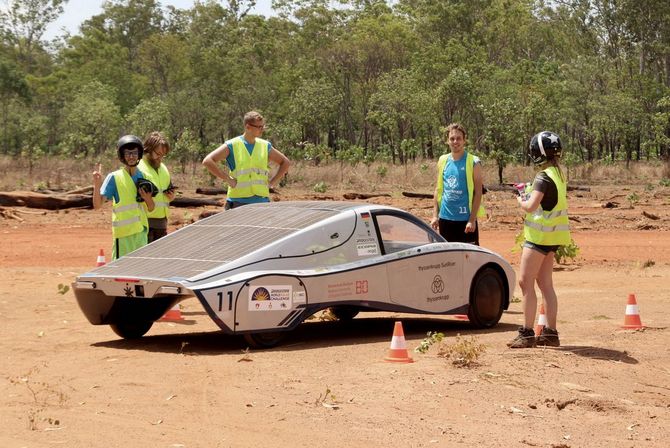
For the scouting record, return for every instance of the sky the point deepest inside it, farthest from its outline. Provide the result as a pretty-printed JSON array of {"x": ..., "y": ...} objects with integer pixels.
[{"x": 76, "y": 11}]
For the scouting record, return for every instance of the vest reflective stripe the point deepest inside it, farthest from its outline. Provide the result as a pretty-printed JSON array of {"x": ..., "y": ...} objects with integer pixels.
[
  {"x": 542, "y": 228},
  {"x": 160, "y": 178},
  {"x": 125, "y": 208},
  {"x": 128, "y": 217},
  {"x": 469, "y": 169},
  {"x": 550, "y": 227},
  {"x": 251, "y": 170},
  {"x": 250, "y": 183},
  {"x": 126, "y": 222}
]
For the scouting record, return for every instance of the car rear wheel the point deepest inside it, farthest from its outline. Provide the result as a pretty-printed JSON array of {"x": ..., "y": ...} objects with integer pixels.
[
  {"x": 344, "y": 312},
  {"x": 487, "y": 298},
  {"x": 264, "y": 340},
  {"x": 132, "y": 329}
]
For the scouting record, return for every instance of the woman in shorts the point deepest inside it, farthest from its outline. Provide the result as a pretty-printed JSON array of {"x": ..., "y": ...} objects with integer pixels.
[{"x": 545, "y": 229}]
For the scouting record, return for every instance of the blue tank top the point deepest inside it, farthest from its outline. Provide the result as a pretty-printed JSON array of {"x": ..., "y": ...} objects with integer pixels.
[{"x": 455, "y": 203}]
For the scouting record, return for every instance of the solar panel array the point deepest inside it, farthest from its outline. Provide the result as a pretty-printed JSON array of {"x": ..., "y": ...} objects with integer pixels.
[{"x": 219, "y": 239}]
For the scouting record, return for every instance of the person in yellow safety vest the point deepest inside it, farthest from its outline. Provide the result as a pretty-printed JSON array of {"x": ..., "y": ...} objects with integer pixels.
[
  {"x": 247, "y": 157},
  {"x": 129, "y": 219},
  {"x": 458, "y": 194},
  {"x": 545, "y": 229},
  {"x": 156, "y": 147}
]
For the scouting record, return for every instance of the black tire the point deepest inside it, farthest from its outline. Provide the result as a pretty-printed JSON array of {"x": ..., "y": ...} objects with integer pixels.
[
  {"x": 264, "y": 340},
  {"x": 344, "y": 313},
  {"x": 132, "y": 329},
  {"x": 487, "y": 298}
]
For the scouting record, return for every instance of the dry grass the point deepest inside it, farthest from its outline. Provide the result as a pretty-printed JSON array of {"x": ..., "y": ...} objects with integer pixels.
[{"x": 64, "y": 174}]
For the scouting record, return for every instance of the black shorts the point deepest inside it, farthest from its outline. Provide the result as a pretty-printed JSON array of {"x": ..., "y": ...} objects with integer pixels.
[
  {"x": 454, "y": 232},
  {"x": 540, "y": 248},
  {"x": 233, "y": 204}
]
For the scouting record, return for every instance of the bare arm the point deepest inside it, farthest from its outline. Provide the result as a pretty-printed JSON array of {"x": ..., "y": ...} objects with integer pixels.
[
  {"x": 435, "y": 221},
  {"x": 212, "y": 163},
  {"x": 476, "y": 197},
  {"x": 280, "y": 159},
  {"x": 97, "y": 183},
  {"x": 532, "y": 203}
]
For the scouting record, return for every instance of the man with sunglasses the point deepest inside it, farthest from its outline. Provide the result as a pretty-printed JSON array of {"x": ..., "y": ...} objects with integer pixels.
[{"x": 247, "y": 157}]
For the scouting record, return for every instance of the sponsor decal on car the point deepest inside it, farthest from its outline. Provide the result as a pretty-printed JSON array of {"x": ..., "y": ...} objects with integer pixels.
[
  {"x": 299, "y": 297},
  {"x": 366, "y": 246},
  {"x": 342, "y": 289},
  {"x": 270, "y": 297},
  {"x": 437, "y": 287},
  {"x": 444, "y": 264}
]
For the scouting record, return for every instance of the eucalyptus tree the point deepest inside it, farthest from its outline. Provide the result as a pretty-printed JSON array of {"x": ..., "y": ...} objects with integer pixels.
[
  {"x": 92, "y": 121},
  {"x": 22, "y": 27},
  {"x": 404, "y": 112}
]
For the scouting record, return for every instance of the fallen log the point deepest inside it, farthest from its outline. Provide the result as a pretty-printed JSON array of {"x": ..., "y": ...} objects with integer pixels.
[
  {"x": 411, "y": 194},
  {"x": 649, "y": 215},
  {"x": 365, "y": 195},
  {"x": 8, "y": 213},
  {"x": 45, "y": 201},
  {"x": 511, "y": 187},
  {"x": 195, "y": 202},
  {"x": 213, "y": 191},
  {"x": 82, "y": 190}
]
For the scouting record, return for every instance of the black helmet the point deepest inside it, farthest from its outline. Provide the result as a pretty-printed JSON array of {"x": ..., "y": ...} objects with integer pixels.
[
  {"x": 544, "y": 146},
  {"x": 129, "y": 141},
  {"x": 146, "y": 185}
]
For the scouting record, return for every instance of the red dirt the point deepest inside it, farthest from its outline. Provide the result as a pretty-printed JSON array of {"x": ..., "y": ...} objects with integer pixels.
[{"x": 66, "y": 382}]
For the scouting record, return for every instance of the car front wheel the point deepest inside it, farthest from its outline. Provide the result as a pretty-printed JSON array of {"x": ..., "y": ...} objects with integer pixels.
[
  {"x": 487, "y": 294},
  {"x": 131, "y": 329},
  {"x": 264, "y": 340}
]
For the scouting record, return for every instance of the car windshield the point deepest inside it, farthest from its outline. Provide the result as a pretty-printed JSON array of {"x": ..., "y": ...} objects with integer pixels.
[{"x": 398, "y": 233}]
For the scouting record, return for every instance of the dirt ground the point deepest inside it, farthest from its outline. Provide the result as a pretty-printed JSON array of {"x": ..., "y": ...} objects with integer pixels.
[{"x": 64, "y": 382}]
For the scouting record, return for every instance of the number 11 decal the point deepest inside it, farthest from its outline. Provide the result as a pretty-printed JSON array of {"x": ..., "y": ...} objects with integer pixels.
[{"x": 230, "y": 300}]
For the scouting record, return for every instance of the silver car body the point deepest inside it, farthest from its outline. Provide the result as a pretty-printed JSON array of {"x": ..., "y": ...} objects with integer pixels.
[{"x": 267, "y": 267}]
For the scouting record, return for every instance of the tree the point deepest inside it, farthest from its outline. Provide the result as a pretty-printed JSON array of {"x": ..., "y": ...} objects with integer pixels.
[
  {"x": 92, "y": 121},
  {"x": 23, "y": 24}
]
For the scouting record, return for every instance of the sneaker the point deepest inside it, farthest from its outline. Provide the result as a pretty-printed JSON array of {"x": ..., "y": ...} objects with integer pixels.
[
  {"x": 525, "y": 339},
  {"x": 548, "y": 337}
]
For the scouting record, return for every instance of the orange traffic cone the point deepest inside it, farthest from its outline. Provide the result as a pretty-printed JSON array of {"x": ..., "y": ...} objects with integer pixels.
[
  {"x": 541, "y": 320},
  {"x": 398, "y": 351},
  {"x": 172, "y": 315},
  {"x": 101, "y": 259},
  {"x": 632, "y": 318}
]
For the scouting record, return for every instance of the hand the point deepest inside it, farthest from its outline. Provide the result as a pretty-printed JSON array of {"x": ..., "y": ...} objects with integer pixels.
[
  {"x": 435, "y": 223},
  {"x": 97, "y": 175},
  {"x": 143, "y": 194},
  {"x": 170, "y": 194},
  {"x": 232, "y": 181},
  {"x": 470, "y": 227}
]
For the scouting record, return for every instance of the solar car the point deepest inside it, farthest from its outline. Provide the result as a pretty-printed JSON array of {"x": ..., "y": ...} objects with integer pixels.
[{"x": 262, "y": 269}]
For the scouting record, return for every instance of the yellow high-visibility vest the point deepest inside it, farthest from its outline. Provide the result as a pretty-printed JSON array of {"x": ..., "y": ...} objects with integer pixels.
[
  {"x": 160, "y": 178},
  {"x": 251, "y": 170},
  {"x": 128, "y": 216},
  {"x": 550, "y": 227},
  {"x": 469, "y": 168}
]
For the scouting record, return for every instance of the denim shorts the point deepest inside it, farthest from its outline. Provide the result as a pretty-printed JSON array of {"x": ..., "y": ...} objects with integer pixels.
[{"x": 540, "y": 248}]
